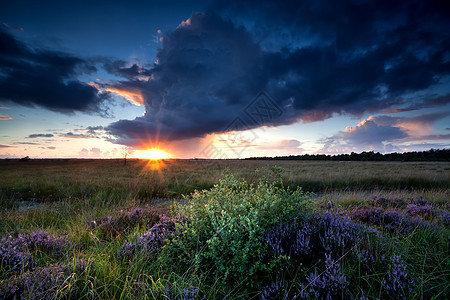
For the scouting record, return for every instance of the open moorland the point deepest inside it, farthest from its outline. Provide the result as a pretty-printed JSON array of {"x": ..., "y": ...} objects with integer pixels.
[{"x": 237, "y": 229}]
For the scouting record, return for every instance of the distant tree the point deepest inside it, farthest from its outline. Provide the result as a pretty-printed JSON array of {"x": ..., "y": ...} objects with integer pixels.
[
  {"x": 125, "y": 152},
  {"x": 26, "y": 158}
]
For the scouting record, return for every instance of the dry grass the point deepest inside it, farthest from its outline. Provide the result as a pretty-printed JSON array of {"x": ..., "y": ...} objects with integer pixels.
[{"x": 44, "y": 180}]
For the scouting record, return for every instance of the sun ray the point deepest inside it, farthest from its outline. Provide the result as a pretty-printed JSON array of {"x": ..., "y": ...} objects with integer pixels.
[{"x": 155, "y": 162}]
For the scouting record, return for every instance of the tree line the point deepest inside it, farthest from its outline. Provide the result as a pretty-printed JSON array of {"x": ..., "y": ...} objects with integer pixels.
[{"x": 430, "y": 155}]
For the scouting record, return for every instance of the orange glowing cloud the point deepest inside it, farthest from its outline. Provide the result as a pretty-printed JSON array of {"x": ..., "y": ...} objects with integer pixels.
[
  {"x": 185, "y": 23},
  {"x": 134, "y": 97},
  {"x": 396, "y": 110},
  {"x": 5, "y": 118},
  {"x": 416, "y": 128},
  {"x": 422, "y": 124}
]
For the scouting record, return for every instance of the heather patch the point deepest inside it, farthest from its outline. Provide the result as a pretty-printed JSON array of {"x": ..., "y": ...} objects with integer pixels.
[
  {"x": 48, "y": 282},
  {"x": 417, "y": 208},
  {"x": 311, "y": 250},
  {"x": 125, "y": 221},
  {"x": 151, "y": 241},
  {"x": 307, "y": 240},
  {"x": 397, "y": 202},
  {"x": 19, "y": 253},
  {"x": 392, "y": 221},
  {"x": 13, "y": 256},
  {"x": 44, "y": 241}
]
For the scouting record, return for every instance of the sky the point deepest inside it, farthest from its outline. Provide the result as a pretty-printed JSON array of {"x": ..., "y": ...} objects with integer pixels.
[{"x": 223, "y": 79}]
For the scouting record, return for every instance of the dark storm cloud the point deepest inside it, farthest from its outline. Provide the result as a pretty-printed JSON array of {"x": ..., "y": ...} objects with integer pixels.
[
  {"x": 200, "y": 81},
  {"x": 31, "y": 76},
  {"x": 315, "y": 59},
  {"x": 123, "y": 69},
  {"x": 40, "y": 135},
  {"x": 424, "y": 102}
]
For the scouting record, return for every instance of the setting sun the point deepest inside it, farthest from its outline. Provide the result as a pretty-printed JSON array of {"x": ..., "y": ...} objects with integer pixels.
[{"x": 154, "y": 154}]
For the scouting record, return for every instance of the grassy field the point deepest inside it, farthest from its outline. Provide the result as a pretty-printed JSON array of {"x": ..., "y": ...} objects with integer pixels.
[
  {"x": 55, "y": 180},
  {"x": 193, "y": 229}
]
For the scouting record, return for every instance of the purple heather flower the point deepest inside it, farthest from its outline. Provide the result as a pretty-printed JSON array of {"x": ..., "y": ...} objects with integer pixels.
[
  {"x": 391, "y": 221},
  {"x": 338, "y": 234},
  {"x": 396, "y": 282},
  {"x": 420, "y": 201},
  {"x": 150, "y": 241},
  {"x": 445, "y": 218},
  {"x": 43, "y": 241},
  {"x": 41, "y": 283},
  {"x": 425, "y": 211},
  {"x": 329, "y": 284},
  {"x": 13, "y": 256},
  {"x": 393, "y": 202},
  {"x": 187, "y": 294},
  {"x": 16, "y": 253},
  {"x": 276, "y": 290},
  {"x": 125, "y": 220}
]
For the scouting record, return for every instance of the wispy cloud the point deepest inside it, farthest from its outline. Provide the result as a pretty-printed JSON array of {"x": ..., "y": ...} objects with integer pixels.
[
  {"x": 26, "y": 143},
  {"x": 40, "y": 135},
  {"x": 12, "y": 28},
  {"x": 72, "y": 135},
  {"x": 422, "y": 102},
  {"x": 288, "y": 144}
]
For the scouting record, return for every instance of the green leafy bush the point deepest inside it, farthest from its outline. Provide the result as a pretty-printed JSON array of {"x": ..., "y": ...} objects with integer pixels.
[{"x": 225, "y": 226}]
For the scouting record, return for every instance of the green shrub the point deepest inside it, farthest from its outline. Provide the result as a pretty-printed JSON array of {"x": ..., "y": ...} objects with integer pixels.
[{"x": 225, "y": 225}]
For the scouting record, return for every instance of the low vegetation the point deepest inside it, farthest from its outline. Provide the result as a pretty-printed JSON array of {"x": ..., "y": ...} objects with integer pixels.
[{"x": 243, "y": 230}]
